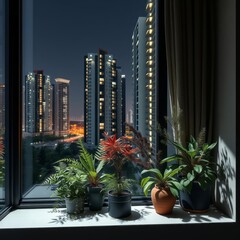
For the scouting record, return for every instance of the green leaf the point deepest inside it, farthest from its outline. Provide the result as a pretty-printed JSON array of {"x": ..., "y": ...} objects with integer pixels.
[
  {"x": 100, "y": 166},
  {"x": 176, "y": 184},
  {"x": 212, "y": 146},
  {"x": 174, "y": 192},
  {"x": 190, "y": 147},
  {"x": 171, "y": 172},
  {"x": 145, "y": 180},
  {"x": 190, "y": 177},
  {"x": 181, "y": 148},
  {"x": 198, "y": 168},
  {"x": 155, "y": 171},
  {"x": 185, "y": 183},
  {"x": 146, "y": 187},
  {"x": 171, "y": 158}
]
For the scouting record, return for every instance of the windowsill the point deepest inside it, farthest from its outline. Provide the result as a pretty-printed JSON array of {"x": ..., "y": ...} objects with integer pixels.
[{"x": 141, "y": 215}]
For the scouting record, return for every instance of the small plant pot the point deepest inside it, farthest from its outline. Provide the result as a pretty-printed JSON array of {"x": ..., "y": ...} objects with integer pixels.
[
  {"x": 74, "y": 206},
  {"x": 95, "y": 198},
  {"x": 119, "y": 206},
  {"x": 163, "y": 200}
]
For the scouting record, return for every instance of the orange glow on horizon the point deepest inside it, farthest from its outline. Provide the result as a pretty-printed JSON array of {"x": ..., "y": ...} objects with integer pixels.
[{"x": 76, "y": 130}]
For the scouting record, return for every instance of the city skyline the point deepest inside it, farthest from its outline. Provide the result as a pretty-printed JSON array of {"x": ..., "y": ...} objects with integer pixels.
[{"x": 60, "y": 41}]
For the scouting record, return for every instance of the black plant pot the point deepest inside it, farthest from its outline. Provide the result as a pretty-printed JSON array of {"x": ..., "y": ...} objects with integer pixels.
[
  {"x": 95, "y": 198},
  {"x": 119, "y": 206},
  {"x": 198, "y": 200}
]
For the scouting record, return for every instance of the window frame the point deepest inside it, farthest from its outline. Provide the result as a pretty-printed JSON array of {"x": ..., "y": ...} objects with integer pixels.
[{"x": 13, "y": 72}]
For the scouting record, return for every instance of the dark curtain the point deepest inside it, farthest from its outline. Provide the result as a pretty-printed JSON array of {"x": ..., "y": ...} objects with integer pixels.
[{"x": 189, "y": 34}]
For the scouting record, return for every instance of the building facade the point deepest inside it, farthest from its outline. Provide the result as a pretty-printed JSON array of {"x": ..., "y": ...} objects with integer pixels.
[
  {"x": 61, "y": 107},
  {"x": 38, "y": 111},
  {"x": 121, "y": 103},
  {"x": 101, "y": 96},
  {"x": 139, "y": 76},
  {"x": 152, "y": 67}
]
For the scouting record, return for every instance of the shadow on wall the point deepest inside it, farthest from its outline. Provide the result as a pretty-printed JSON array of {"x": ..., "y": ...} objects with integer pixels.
[{"x": 224, "y": 184}]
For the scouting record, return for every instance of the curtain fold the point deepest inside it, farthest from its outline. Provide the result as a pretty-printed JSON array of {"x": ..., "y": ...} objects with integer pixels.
[{"x": 189, "y": 34}]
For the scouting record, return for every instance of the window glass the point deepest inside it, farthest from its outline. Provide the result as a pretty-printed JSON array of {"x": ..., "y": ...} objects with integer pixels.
[
  {"x": 84, "y": 73},
  {"x": 2, "y": 105}
]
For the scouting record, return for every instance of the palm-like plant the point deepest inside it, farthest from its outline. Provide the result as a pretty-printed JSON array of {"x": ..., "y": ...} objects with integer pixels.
[
  {"x": 90, "y": 166},
  {"x": 165, "y": 180}
]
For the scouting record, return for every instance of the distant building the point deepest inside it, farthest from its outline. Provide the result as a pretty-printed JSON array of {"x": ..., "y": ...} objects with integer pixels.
[
  {"x": 130, "y": 117},
  {"x": 139, "y": 76},
  {"x": 48, "y": 105},
  {"x": 38, "y": 104},
  {"x": 121, "y": 102},
  {"x": 103, "y": 90},
  {"x": 2, "y": 108},
  {"x": 61, "y": 107}
]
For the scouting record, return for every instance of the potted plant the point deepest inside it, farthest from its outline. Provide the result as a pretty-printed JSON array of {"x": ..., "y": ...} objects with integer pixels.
[
  {"x": 93, "y": 170},
  {"x": 164, "y": 188},
  {"x": 198, "y": 172},
  {"x": 116, "y": 151},
  {"x": 69, "y": 183}
]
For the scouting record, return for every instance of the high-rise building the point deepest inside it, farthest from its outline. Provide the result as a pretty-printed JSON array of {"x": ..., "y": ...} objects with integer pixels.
[
  {"x": 139, "y": 76},
  {"x": 153, "y": 107},
  {"x": 48, "y": 105},
  {"x": 2, "y": 108},
  {"x": 121, "y": 102},
  {"x": 38, "y": 104},
  {"x": 102, "y": 90},
  {"x": 61, "y": 107}
]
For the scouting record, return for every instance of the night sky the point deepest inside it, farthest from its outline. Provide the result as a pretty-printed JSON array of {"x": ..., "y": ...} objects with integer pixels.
[{"x": 66, "y": 30}]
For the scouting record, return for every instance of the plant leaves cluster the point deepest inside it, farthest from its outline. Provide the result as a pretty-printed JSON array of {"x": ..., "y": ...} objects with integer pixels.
[{"x": 196, "y": 163}]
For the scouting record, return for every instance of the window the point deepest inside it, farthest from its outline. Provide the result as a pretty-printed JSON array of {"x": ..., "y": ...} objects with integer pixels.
[{"x": 62, "y": 46}]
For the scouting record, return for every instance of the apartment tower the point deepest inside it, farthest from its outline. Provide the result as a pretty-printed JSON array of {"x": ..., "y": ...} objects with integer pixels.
[
  {"x": 139, "y": 76},
  {"x": 61, "y": 107},
  {"x": 38, "y": 104},
  {"x": 102, "y": 89}
]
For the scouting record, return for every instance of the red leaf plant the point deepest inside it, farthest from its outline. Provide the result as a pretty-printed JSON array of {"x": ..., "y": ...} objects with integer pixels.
[{"x": 117, "y": 151}]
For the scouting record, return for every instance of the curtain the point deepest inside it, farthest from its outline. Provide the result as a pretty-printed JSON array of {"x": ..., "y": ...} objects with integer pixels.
[{"x": 189, "y": 35}]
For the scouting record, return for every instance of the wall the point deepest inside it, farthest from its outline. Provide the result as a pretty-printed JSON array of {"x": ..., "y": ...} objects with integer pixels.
[{"x": 225, "y": 115}]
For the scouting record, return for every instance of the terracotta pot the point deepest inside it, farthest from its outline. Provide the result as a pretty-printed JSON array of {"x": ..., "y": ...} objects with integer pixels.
[{"x": 163, "y": 200}]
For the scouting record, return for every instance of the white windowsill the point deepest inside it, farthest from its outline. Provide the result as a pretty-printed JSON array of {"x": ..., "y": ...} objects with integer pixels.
[{"x": 141, "y": 215}]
